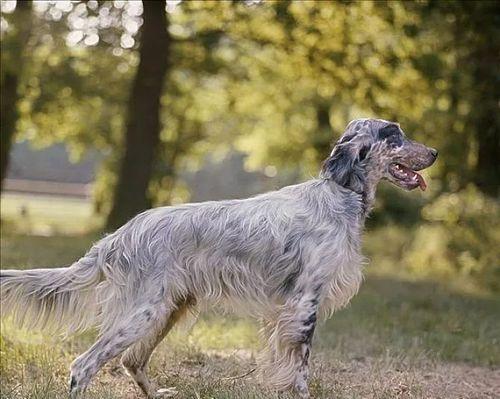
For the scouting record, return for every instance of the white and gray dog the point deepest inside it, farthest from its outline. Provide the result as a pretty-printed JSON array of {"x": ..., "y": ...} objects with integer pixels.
[{"x": 288, "y": 257}]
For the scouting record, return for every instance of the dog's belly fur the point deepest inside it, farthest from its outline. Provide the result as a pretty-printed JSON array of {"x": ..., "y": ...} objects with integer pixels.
[{"x": 255, "y": 280}]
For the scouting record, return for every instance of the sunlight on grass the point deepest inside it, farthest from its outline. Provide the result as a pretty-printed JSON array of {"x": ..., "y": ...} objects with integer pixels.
[
  {"x": 220, "y": 333},
  {"x": 48, "y": 215}
]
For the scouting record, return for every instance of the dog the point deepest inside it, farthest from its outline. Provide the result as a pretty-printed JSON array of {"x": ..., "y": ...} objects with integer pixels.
[{"x": 288, "y": 258}]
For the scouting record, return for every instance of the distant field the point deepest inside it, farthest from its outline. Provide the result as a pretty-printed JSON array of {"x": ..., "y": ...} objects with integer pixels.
[
  {"x": 47, "y": 215},
  {"x": 397, "y": 339}
]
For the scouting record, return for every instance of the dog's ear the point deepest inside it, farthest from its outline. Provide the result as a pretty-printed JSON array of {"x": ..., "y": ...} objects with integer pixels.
[{"x": 344, "y": 165}]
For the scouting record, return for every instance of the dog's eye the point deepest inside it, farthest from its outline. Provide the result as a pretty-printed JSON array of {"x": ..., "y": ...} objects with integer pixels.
[
  {"x": 388, "y": 131},
  {"x": 394, "y": 141},
  {"x": 392, "y": 135}
]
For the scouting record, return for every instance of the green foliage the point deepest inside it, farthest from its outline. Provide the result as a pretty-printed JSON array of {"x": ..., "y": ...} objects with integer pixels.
[
  {"x": 461, "y": 238},
  {"x": 273, "y": 79},
  {"x": 457, "y": 242}
]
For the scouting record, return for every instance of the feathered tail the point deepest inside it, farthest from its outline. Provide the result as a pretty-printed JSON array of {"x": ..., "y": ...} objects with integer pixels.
[{"x": 53, "y": 298}]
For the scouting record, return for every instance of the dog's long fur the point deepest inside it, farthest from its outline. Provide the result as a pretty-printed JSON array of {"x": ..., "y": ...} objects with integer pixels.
[{"x": 287, "y": 257}]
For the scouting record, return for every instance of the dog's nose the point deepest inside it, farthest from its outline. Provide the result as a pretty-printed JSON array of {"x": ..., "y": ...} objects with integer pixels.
[{"x": 434, "y": 152}]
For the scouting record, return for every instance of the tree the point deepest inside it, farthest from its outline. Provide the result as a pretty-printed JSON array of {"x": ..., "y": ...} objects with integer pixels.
[
  {"x": 463, "y": 68},
  {"x": 12, "y": 69},
  {"x": 277, "y": 80},
  {"x": 143, "y": 125},
  {"x": 483, "y": 19}
]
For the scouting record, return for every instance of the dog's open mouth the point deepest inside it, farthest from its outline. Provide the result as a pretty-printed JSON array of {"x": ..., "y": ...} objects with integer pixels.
[{"x": 407, "y": 177}]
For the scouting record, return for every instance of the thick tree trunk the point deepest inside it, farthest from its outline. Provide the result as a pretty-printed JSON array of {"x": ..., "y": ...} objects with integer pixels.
[
  {"x": 487, "y": 174},
  {"x": 487, "y": 120},
  {"x": 10, "y": 83},
  {"x": 143, "y": 126}
]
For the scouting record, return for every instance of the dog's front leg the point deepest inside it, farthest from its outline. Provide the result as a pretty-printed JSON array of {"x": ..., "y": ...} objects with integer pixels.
[
  {"x": 307, "y": 325},
  {"x": 302, "y": 375},
  {"x": 289, "y": 344}
]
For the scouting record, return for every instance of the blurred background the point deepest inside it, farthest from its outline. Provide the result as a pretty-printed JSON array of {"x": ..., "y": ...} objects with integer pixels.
[{"x": 111, "y": 107}]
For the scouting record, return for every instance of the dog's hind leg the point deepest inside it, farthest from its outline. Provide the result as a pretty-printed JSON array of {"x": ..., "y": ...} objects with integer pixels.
[
  {"x": 136, "y": 358},
  {"x": 130, "y": 329}
]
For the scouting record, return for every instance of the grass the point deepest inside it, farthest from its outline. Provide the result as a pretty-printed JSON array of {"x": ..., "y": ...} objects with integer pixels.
[{"x": 397, "y": 339}]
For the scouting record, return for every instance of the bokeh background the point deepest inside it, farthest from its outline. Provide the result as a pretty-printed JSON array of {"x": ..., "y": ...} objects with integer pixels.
[{"x": 111, "y": 107}]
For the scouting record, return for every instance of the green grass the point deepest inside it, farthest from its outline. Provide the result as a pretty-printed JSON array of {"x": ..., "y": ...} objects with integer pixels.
[{"x": 397, "y": 339}]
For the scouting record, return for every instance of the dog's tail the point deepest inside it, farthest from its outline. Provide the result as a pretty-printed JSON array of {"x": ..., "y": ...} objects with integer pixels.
[{"x": 53, "y": 298}]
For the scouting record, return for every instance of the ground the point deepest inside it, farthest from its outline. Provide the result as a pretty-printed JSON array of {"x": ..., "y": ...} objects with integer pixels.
[{"x": 397, "y": 339}]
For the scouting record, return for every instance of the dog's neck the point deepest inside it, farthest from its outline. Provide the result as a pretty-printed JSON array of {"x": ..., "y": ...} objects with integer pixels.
[
  {"x": 367, "y": 194},
  {"x": 373, "y": 177},
  {"x": 368, "y": 200}
]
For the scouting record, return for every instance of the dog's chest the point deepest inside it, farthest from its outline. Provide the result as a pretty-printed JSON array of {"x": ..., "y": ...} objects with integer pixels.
[{"x": 341, "y": 270}]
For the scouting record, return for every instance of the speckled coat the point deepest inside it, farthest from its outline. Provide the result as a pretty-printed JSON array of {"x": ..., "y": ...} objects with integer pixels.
[{"x": 287, "y": 257}]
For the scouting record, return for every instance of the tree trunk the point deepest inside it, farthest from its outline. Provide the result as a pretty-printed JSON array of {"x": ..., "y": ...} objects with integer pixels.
[
  {"x": 487, "y": 173},
  {"x": 10, "y": 83},
  {"x": 486, "y": 119},
  {"x": 143, "y": 126}
]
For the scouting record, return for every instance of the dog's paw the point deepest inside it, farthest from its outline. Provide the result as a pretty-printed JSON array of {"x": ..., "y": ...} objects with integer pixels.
[{"x": 166, "y": 392}]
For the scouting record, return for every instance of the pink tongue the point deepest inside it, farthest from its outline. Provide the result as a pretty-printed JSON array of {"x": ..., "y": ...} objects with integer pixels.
[{"x": 421, "y": 182}]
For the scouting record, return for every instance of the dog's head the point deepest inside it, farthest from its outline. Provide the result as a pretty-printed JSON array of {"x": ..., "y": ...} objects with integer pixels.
[{"x": 375, "y": 149}]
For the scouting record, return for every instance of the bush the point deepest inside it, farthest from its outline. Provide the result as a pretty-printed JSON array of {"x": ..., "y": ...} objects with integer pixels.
[{"x": 460, "y": 238}]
